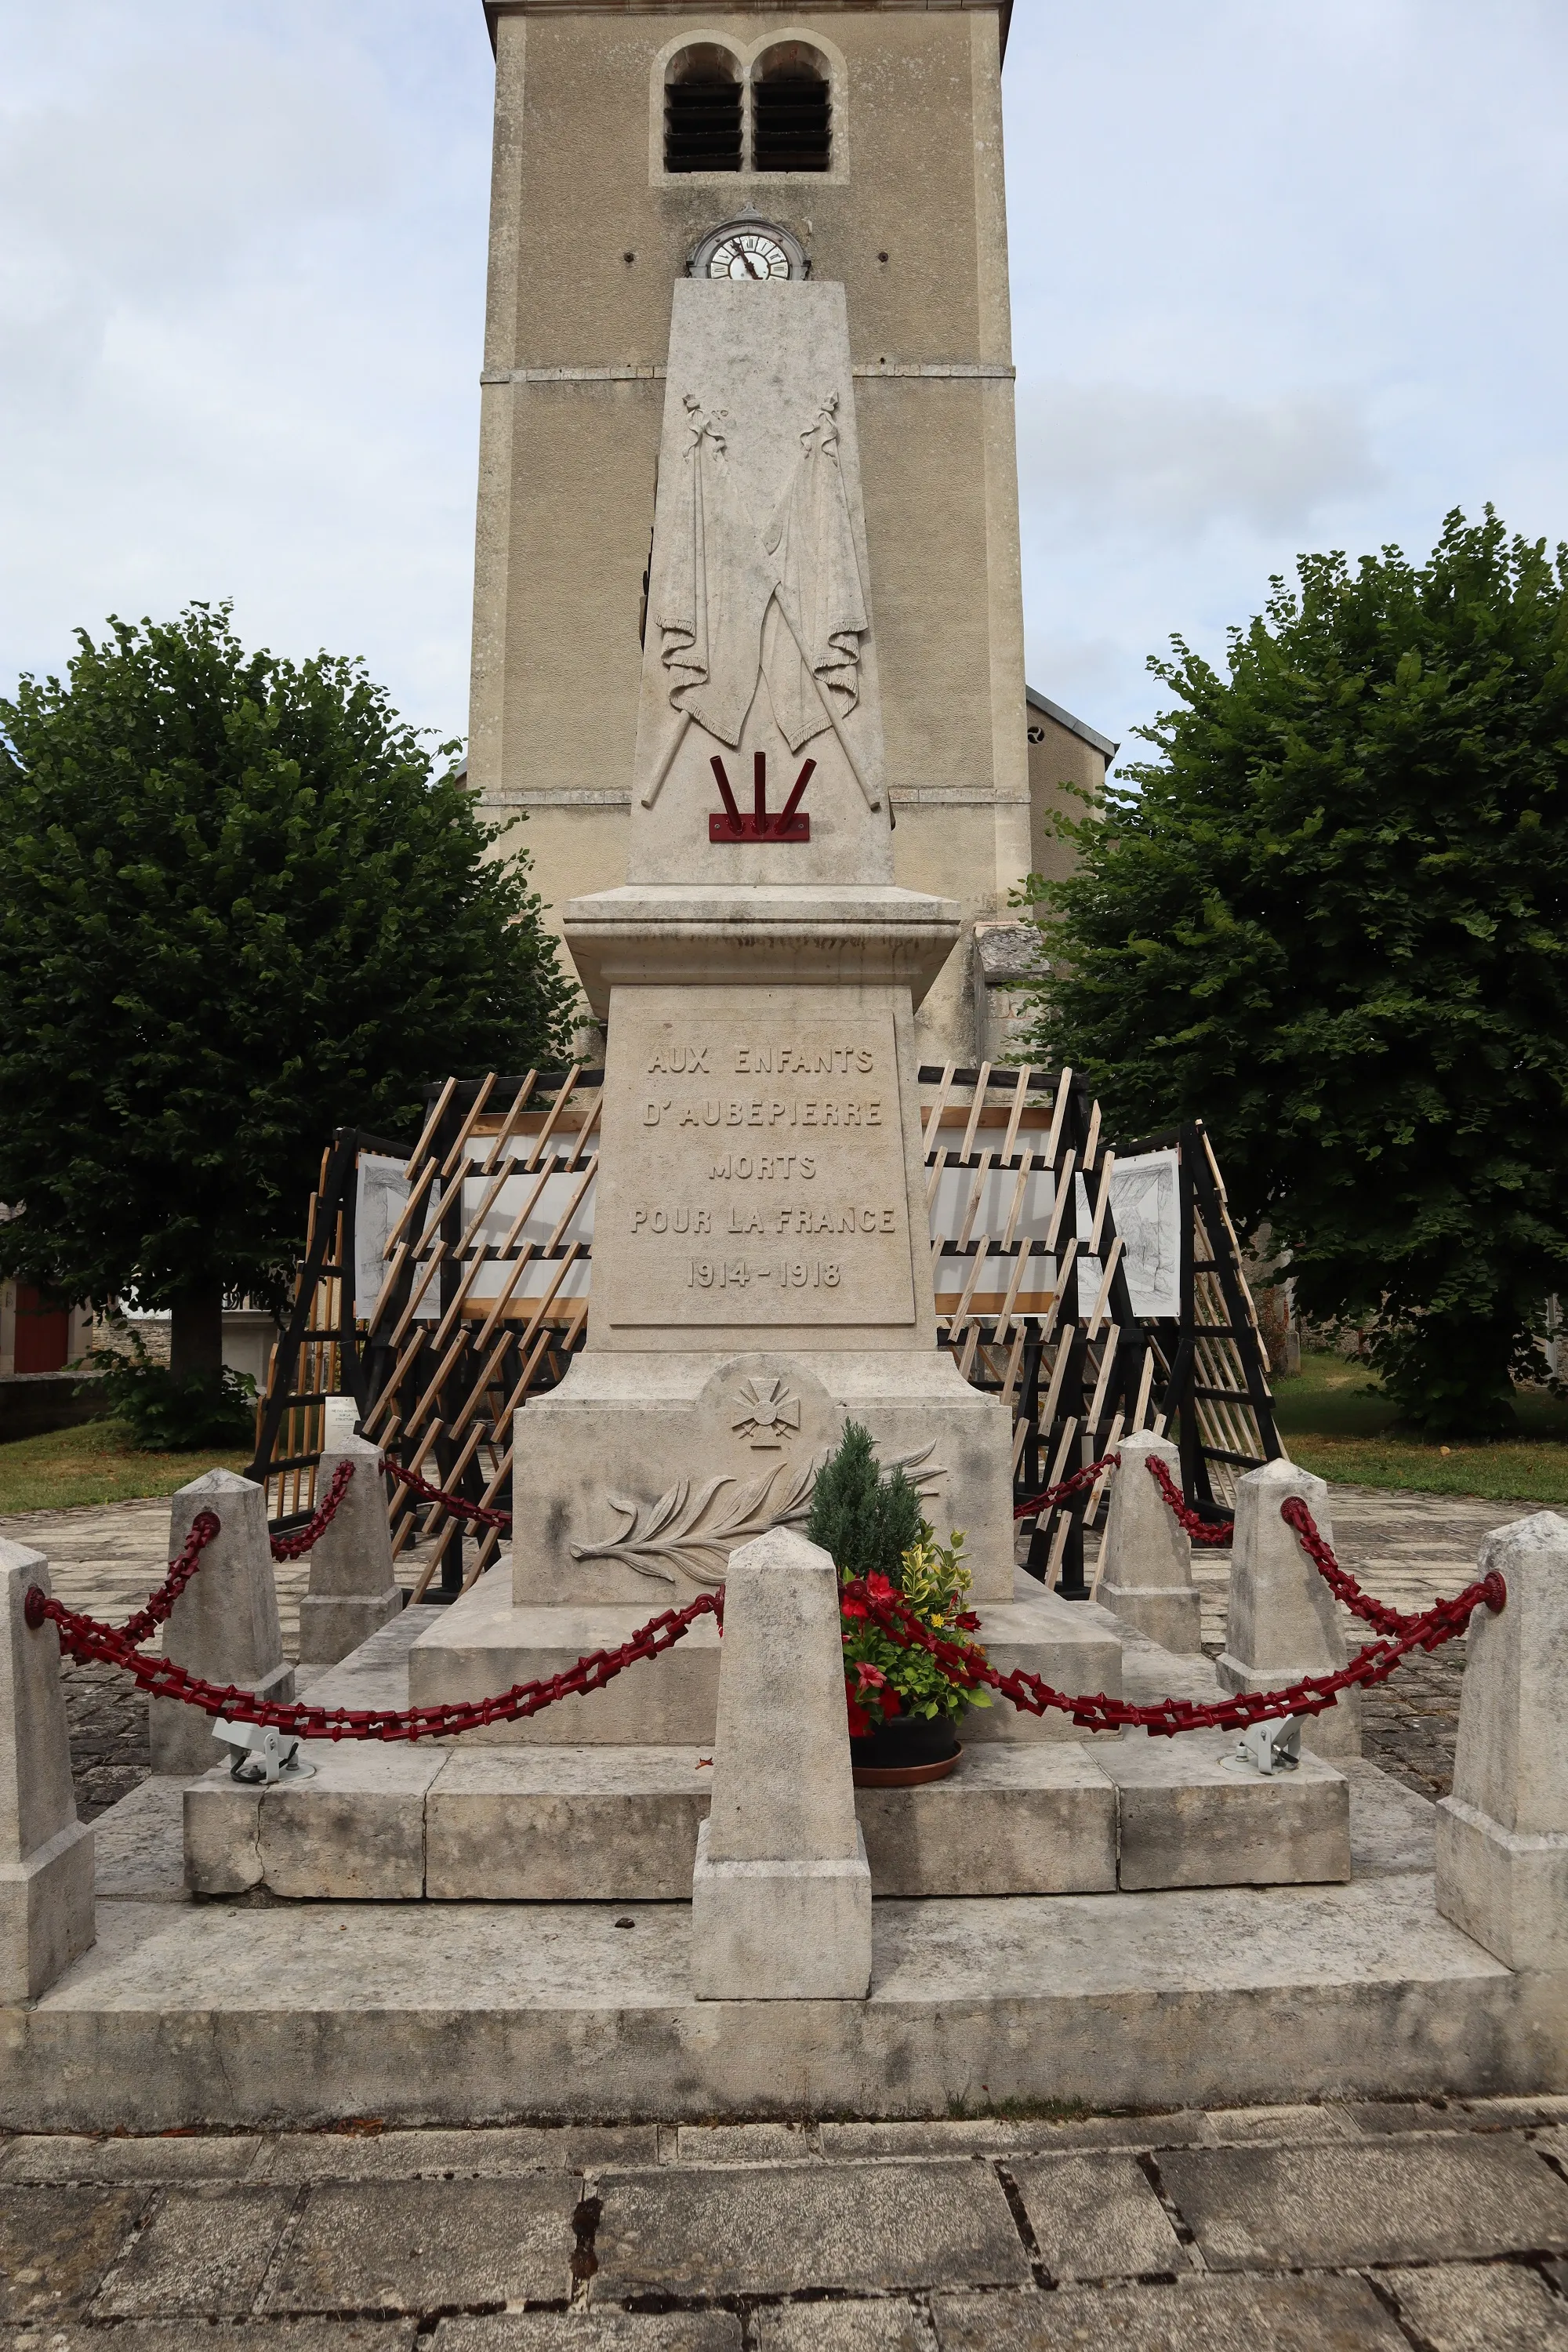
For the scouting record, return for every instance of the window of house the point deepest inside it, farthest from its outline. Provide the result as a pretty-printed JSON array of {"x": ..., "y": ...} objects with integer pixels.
[
  {"x": 792, "y": 111},
  {"x": 702, "y": 97}
]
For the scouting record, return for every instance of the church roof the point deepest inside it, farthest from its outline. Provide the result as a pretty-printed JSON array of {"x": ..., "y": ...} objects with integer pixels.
[{"x": 1085, "y": 733}]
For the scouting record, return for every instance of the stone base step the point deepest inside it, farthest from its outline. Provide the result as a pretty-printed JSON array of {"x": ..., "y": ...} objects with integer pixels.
[
  {"x": 483, "y": 1644},
  {"x": 619, "y": 1824}
]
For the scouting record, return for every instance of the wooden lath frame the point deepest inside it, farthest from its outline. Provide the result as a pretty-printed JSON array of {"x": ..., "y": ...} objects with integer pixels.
[
  {"x": 1074, "y": 1367},
  {"x": 1067, "y": 1357},
  {"x": 442, "y": 1393}
]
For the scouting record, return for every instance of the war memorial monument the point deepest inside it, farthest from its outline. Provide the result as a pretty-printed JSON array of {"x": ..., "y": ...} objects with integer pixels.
[{"x": 661, "y": 1893}]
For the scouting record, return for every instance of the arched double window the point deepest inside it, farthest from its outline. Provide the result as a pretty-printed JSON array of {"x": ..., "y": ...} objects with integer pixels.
[{"x": 775, "y": 116}]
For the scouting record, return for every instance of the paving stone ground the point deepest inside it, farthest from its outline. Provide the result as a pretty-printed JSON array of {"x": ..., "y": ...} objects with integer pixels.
[{"x": 1371, "y": 2228}]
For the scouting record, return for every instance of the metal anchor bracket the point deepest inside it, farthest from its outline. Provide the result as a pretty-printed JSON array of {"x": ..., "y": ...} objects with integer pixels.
[
  {"x": 261, "y": 1756},
  {"x": 1269, "y": 1747}
]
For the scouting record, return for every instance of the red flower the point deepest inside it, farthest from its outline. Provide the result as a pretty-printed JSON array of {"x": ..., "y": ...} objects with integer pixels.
[
  {"x": 879, "y": 1588},
  {"x": 849, "y": 1607},
  {"x": 859, "y": 1721}
]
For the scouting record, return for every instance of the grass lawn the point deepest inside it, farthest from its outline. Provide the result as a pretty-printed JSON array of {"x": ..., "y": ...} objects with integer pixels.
[
  {"x": 1335, "y": 1419},
  {"x": 94, "y": 1463}
]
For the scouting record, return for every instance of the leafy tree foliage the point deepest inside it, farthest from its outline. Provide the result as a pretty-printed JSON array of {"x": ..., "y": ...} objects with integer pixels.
[
  {"x": 1331, "y": 920},
  {"x": 237, "y": 908},
  {"x": 866, "y": 1521}
]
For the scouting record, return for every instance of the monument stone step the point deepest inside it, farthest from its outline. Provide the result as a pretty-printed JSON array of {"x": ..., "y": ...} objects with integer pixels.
[
  {"x": 619, "y": 1824},
  {"x": 484, "y": 1644}
]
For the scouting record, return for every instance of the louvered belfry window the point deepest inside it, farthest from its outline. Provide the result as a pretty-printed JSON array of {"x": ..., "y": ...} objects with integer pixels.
[
  {"x": 792, "y": 111},
  {"x": 702, "y": 112}
]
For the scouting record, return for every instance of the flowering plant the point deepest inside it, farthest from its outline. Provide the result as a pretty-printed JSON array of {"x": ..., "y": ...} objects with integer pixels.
[{"x": 883, "y": 1679}]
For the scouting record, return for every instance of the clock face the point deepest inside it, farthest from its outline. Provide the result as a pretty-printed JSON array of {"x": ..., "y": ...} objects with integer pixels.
[{"x": 746, "y": 252}]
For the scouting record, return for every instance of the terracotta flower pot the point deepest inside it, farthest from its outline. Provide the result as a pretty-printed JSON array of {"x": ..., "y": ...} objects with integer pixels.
[{"x": 902, "y": 1753}]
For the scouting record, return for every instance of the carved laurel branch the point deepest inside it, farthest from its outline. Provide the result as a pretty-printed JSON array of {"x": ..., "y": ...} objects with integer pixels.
[{"x": 693, "y": 1531}]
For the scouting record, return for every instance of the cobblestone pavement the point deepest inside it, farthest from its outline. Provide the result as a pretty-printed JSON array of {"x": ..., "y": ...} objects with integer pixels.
[
  {"x": 1319, "y": 2228},
  {"x": 1407, "y": 1548}
]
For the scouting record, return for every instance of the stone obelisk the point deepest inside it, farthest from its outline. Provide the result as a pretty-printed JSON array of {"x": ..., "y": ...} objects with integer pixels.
[{"x": 761, "y": 1259}]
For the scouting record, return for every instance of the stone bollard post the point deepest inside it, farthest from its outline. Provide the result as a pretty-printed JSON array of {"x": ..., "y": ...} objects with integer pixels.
[
  {"x": 1146, "y": 1567},
  {"x": 46, "y": 1853},
  {"x": 781, "y": 1899},
  {"x": 224, "y": 1626},
  {"x": 1282, "y": 1622},
  {"x": 354, "y": 1591},
  {"x": 1502, "y": 1836}
]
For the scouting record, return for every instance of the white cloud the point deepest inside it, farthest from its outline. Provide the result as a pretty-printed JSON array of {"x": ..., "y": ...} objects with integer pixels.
[{"x": 1170, "y": 464}]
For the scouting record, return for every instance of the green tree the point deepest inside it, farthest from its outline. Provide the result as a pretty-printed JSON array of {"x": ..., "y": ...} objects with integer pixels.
[
  {"x": 237, "y": 908},
  {"x": 1330, "y": 918}
]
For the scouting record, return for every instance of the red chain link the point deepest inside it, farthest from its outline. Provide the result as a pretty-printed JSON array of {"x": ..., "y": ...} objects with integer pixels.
[
  {"x": 86, "y": 1639},
  {"x": 159, "y": 1605},
  {"x": 459, "y": 1509},
  {"x": 305, "y": 1539},
  {"x": 1054, "y": 1496},
  {"x": 1201, "y": 1531}
]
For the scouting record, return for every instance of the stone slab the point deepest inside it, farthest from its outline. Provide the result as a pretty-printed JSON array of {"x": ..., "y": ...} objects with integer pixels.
[
  {"x": 884, "y": 2325},
  {"x": 1231, "y": 2315},
  {"x": 203, "y": 2254},
  {"x": 425, "y": 2245},
  {"x": 334, "y": 2335},
  {"x": 355, "y": 1829},
  {"x": 1014, "y": 1819},
  {"x": 783, "y": 2230},
  {"x": 482, "y": 1644},
  {"x": 56, "y": 2246},
  {"x": 606, "y": 2331},
  {"x": 1096, "y": 2217},
  {"x": 1500, "y": 2308},
  {"x": 140, "y": 1842},
  {"x": 1188, "y": 1816},
  {"x": 1322, "y": 2208},
  {"x": 183, "y": 2016},
  {"x": 516, "y": 1824}
]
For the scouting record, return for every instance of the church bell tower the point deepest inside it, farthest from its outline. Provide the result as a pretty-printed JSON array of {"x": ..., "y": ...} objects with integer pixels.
[{"x": 638, "y": 147}]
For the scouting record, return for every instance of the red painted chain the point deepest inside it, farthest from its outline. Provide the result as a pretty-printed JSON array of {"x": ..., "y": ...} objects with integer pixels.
[
  {"x": 159, "y": 1605},
  {"x": 305, "y": 1540},
  {"x": 1054, "y": 1496},
  {"x": 1164, "y": 1718},
  {"x": 1201, "y": 1531},
  {"x": 474, "y": 1512},
  {"x": 86, "y": 1639},
  {"x": 1294, "y": 1511}
]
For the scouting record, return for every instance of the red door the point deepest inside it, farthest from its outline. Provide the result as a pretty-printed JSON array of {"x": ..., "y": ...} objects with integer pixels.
[{"x": 43, "y": 1333}]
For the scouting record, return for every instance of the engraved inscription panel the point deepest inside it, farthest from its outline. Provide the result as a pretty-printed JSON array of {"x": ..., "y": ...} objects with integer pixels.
[{"x": 764, "y": 1181}]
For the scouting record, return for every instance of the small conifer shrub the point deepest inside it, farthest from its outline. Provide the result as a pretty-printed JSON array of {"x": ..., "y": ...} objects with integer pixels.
[{"x": 866, "y": 1521}]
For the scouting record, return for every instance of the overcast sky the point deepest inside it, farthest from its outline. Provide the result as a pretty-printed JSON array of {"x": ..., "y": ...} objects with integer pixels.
[{"x": 1286, "y": 274}]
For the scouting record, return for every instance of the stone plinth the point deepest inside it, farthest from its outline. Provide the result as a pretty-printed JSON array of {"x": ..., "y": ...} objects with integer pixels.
[
  {"x": 224, "y": 1626},
  {"x": 1146, "y": 1567},
  {"x": 1281, "y": 1623},
  {"x": 46, "y": 1853},
  {"x": 1503, "y": 1835},
  {"x": 353, "y": 1590},
  {"x": 781, "y": 1896}
]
